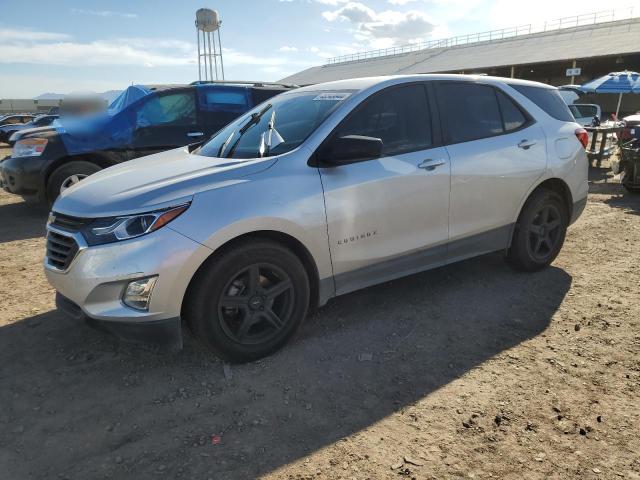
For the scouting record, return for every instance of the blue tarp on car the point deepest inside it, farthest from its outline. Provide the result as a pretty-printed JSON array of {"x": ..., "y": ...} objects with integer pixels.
[{"x": 110, "y": 129}]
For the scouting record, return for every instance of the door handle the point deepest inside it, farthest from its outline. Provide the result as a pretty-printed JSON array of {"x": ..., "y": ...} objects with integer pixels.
[
  {"x": 525, "y": 144},
  {"x": 430, "y": 164},
  {"x": 195, "y": 134}
]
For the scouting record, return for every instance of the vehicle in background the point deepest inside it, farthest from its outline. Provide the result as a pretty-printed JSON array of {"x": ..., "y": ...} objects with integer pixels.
[
  {"x": 570, "y": 93},
  {"x": 585, "y": 113},
  {"x": 316, "y": 193},
  {"x": 631, "y": 127},
  {"x": 141, "y": 121},
  {"x": 8, "y": 131},
  {"x": 18, "y": 118}
]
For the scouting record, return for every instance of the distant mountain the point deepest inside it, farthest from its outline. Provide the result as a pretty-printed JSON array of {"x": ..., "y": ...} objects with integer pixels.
[{"x": 109, "y": 95}]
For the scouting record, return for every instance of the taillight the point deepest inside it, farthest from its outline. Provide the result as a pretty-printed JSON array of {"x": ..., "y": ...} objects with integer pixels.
[{"x": 583, "y": 136}]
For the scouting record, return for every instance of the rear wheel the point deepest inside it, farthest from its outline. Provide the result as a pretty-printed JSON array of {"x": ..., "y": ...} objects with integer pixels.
[
  {"x": 68, "y": 175},
  {"x": 540, "y": 231},
  {"x": 631, "y": 188},
  {"x": 248, "y": 302}
]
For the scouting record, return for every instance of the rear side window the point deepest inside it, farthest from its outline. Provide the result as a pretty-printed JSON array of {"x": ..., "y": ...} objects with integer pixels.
[
  {"x": 548, "y": 99},
  {"x": 399, "y": 116},
  {"x": 470, "y": 111},
  {"x": 512, "y": 116},
  {"x": 224, "y": 100}
]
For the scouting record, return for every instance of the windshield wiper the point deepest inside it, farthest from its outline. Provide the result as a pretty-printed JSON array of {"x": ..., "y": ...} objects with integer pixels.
[
  {"x": 224, "y": 145},
  {"x": 255, "y": 118}
]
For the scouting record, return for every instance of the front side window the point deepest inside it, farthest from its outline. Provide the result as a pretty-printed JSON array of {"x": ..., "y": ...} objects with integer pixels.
[
  {"x": 276, "y": 126},
  {"x": 399, "y": 116},
  {"x": 470, "y": 111},
  {"x": 171, "y": 109}
]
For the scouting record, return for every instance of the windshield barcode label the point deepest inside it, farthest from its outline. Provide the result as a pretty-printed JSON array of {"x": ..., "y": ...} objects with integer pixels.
[{"x": 332, "y": 97}]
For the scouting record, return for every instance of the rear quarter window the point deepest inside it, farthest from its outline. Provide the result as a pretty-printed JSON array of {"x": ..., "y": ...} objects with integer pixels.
[{"x": 548, "y": 99}]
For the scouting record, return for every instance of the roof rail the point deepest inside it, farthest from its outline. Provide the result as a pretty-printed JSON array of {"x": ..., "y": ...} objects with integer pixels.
[
  {"x": 492, "y": 35},
  {"x": 245, "y": 82}
]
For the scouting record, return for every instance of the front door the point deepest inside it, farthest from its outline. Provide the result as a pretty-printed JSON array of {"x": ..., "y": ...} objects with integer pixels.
[
  {"x": 166, "y": 121},
  {"x": 388, "y": 217}
]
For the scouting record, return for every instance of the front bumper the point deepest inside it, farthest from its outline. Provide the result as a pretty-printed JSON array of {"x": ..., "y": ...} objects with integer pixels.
[
  {"x": 164, "y": 333},
  {"x": 23, "y": 176},
  {"x": 97, "y": 277}
]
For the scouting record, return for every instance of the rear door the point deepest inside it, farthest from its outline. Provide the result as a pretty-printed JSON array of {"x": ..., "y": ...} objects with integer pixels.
[
  {"x": 164, "y": 121},
  {"x": 497, "y": 153},
  {"x": 388, "y": 217}
]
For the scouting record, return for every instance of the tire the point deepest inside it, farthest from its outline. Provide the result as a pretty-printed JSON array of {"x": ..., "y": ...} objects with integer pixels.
[
  {"x": 62, "y": 174},
  {"x": 631, "y": 189},
  {"x": 536, "y": 242},
  {"x": 232, "y": 315}
]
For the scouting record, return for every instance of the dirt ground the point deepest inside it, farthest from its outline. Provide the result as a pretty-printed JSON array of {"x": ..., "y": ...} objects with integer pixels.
[{"x": 468, "y": 371}]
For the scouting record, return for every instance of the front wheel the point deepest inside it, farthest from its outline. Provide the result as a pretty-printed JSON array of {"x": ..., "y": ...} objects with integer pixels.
[
  {"x": 68, "y": 175},
  {"x": 249, "y": 301},
  {"x": 540, "y": 231}
]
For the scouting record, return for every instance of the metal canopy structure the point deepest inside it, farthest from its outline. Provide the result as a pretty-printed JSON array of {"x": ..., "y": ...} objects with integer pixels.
[{"x": 598, "y": 39}]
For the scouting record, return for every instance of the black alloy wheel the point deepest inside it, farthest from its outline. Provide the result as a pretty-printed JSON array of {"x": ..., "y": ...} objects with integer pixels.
[
  {"x": 545, "y": 231},
  {"x": 256, "y": 304},
  {"x": 540, "y": 231},
  {"x": 248, "y": 300}
]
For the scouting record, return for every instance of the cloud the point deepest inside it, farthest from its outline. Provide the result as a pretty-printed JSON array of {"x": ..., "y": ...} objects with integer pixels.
[
  {"x": 103, "y": 13},
  {"x": 10, "y": 34},
  {"x": 287, "y": 48},
  {"x": 46, "y": 48},
  {"x": 386, "y": 28},
  {"x": 401, "y": 2}
]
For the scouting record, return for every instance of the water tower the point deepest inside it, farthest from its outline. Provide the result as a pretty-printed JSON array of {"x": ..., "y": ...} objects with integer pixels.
[{"x": 209, "y": 53}]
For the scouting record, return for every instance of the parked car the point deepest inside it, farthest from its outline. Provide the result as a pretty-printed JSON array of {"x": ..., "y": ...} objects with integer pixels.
[
  {"x": 7, "y": 131},
  {"x": 631, "y": 127},
  {"x": 16, "y": 118},
  {"x": 585, "y": 113},
  {"x": 316, "y": 193},
  {"x": 141, "y": 121}
]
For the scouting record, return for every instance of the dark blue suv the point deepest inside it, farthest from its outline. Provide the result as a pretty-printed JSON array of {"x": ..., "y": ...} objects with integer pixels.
[{"x": 143, "y": 120}]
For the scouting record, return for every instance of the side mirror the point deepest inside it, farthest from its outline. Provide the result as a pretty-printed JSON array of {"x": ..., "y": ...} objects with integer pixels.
[{"x": 349, "y": 149}]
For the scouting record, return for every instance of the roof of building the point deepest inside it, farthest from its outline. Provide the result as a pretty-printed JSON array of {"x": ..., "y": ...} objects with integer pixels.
[{"x": 600, "y": 39}]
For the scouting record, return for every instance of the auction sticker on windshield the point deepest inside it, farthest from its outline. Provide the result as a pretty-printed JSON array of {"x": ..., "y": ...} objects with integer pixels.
[{"x": 332, "y": 97}]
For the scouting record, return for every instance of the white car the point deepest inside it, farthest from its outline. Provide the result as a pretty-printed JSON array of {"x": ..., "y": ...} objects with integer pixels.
[
  {"x": 320, "y": 191},
  {"x": 584, "y": 113}
]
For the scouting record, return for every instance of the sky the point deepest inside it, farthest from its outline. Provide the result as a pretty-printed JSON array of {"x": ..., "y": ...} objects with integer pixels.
[{"x": 66, "y": 46}]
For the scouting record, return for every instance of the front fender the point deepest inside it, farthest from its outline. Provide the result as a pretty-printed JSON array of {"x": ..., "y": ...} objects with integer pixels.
[{"x": 285, "y": 198}]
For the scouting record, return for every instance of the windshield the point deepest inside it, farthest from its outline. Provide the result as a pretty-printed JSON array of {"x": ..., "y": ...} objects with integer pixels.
[{"x": 275, "y": 127}]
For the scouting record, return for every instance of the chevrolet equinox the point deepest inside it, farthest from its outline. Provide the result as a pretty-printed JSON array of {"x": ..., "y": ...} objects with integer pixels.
[{"x": 315, "y": 193}]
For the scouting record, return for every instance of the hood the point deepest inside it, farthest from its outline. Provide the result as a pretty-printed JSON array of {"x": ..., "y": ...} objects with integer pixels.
[
  {"x": 11, "y": 126},
  {"x": 152, "y": 182},
  {"x": 28, "y": 132}
]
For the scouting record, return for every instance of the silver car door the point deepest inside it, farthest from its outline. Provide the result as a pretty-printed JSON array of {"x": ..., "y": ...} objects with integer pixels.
[
  {"x": 497, "y": 153},
  {"x": 388, "y": 217}
]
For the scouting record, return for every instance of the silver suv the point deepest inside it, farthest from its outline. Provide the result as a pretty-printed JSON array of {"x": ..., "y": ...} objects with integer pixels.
[{"x": 316, "y": 193}]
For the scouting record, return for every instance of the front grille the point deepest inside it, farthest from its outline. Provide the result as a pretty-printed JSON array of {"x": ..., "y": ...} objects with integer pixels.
[
  {"x": 68, "y": 223},
  {"x": 61, "y": 250}
]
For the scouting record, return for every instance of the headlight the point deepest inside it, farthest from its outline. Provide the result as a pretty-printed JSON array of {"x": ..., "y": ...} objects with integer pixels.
[
  {"x": 29, "y": 147},
  {"x": 107, "y": 230}
]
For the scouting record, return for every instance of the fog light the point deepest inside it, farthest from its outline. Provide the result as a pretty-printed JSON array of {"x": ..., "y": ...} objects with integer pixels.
[{"x": 138, "y": 293}]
